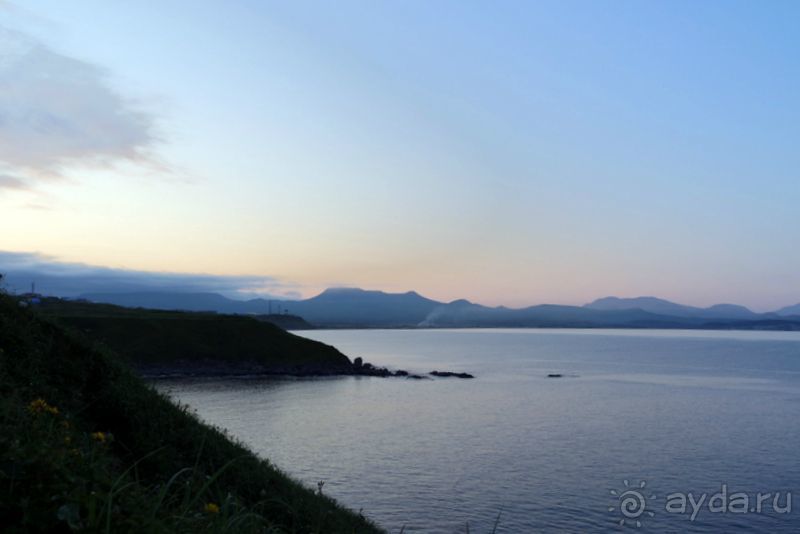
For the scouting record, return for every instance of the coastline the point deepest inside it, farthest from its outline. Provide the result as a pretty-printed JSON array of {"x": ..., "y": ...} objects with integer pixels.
[{"x": 220, "y": 369}]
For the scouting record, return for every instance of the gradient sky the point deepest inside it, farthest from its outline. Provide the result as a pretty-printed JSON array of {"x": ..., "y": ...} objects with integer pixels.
[{"x": 506, "y": 152}]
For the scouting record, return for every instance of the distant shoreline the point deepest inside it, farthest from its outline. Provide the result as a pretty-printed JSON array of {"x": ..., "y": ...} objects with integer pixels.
[{"x": 757, "y": 326}]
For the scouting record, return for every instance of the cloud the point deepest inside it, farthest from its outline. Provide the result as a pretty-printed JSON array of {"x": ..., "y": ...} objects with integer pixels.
[
  {"x": 58, "y": 112},
  {"x": 64, "y": 279},
  {"x": 10, "y": 182}
]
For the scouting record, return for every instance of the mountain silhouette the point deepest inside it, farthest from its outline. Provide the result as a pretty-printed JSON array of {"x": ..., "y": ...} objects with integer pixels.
[
  {"x": 665, "y": 307},
  {"x": 360, "y": 308}
]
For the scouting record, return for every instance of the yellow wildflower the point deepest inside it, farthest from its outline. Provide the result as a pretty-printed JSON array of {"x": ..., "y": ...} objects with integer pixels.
[
  {"x": 211, "y": 508},
  {"x": 99, "y": 436},
  {"x": 41, "y": 406}
]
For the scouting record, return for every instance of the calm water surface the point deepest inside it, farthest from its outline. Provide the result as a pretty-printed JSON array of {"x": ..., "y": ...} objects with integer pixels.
[{"x": 678, "y": 411}]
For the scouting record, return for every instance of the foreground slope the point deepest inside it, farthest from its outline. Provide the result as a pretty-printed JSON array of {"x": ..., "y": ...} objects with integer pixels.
[{"x": 85, "y": 444}]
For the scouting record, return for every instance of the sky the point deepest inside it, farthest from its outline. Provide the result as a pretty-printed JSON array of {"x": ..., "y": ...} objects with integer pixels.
[{"x": 506, "y": 152}]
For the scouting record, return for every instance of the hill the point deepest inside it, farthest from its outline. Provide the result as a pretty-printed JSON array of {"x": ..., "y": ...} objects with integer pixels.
[
  {"x": 665, "y": 307},
  {"x": 789, "y": 310},
  {"x": 286, "y": 321},
  {"x": 170, "y": 342},
  {"x": 185, "y": 301},
  {"x": 359, "y": 307},
  {"x": 86, "y": 445}
]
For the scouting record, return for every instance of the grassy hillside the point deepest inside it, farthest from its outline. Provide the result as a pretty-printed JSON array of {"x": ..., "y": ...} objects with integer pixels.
[
  {"x": 151, "y": 339},
  {"x": 86, "y": 445}
]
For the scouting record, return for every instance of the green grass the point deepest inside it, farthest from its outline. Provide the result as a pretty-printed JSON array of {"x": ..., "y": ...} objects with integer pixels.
[
  {"x": 104, "y": 452},
  {"x": 150, "y": 337}
]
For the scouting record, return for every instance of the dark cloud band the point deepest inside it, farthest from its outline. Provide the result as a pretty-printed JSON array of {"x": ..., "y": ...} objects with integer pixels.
[{"x": 53, "y": 277}]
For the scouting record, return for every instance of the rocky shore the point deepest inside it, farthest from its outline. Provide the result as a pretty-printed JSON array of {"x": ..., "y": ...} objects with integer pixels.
[{"x": 206, "y": 368}]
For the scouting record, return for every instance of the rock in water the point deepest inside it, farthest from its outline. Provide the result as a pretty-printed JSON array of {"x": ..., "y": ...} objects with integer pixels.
[{"x": 446, "y": 374}]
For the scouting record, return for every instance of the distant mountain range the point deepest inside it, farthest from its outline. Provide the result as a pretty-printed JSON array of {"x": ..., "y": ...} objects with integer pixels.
[
  {"x": 789, "y": 310},
  {"x": 352, "y": 307},
  {"x": 665, "y": 307},
  {"x": 333, "y": 307}
]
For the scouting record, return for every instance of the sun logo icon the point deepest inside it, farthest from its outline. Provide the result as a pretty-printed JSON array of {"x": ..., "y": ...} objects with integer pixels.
[{"x": 632, "y": 503}]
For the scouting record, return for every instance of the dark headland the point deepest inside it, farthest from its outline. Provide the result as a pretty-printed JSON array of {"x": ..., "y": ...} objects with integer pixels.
[{"x": 159, "y": 343}]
